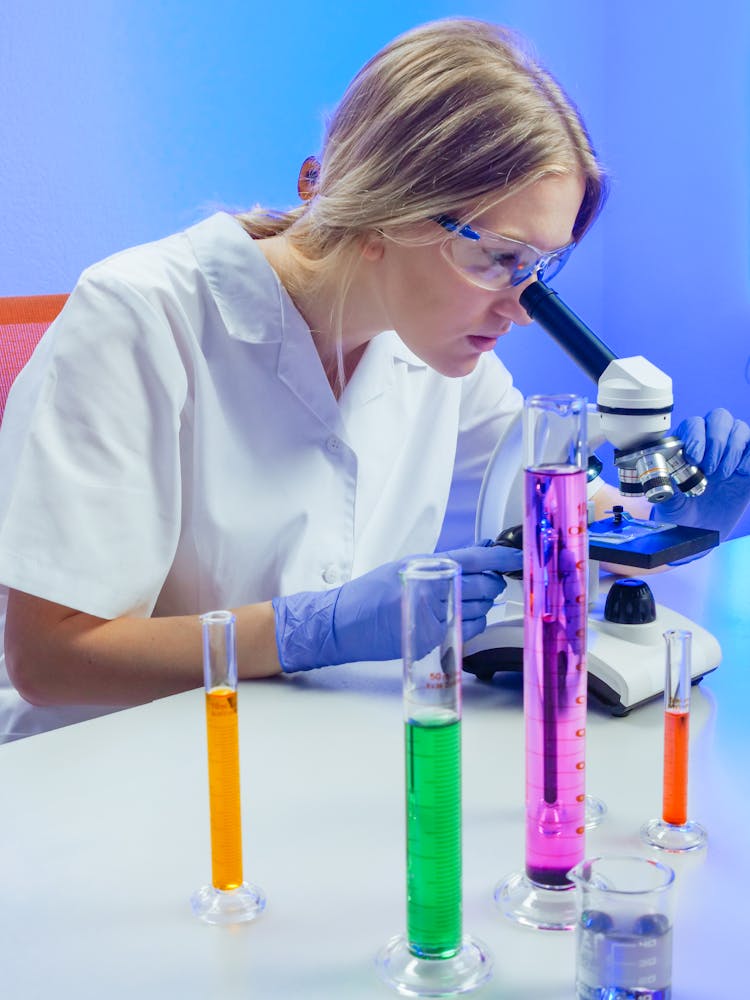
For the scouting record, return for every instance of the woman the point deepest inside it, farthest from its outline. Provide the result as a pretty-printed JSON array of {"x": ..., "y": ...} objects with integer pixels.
[{"x": 226, "y": 418}]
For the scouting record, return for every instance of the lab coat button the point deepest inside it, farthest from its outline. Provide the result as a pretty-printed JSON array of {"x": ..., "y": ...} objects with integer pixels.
[
  {"x": 330, "y": 574},
  {"x": 333, "y": 444}
]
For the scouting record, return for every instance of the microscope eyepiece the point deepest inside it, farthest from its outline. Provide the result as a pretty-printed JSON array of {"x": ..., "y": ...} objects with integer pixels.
[{"x": 545, "y": 307}]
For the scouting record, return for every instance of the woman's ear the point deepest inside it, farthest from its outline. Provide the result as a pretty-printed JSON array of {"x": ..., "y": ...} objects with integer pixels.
[{"x": 373, "y": 245}]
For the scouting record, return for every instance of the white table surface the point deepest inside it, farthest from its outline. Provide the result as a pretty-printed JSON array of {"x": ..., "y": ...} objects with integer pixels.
[{"x": 104, "y": 832}]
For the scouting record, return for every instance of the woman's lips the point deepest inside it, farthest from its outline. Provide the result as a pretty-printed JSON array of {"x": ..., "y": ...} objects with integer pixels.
[
  {"x": 483, "y": 343},
  {"x": 487, "y": 341}
]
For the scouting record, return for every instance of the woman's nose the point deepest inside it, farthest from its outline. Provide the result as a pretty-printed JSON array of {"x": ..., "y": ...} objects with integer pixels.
[{"x": 508, "y": 304}]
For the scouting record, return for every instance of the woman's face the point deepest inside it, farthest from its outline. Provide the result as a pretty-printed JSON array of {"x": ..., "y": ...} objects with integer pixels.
[{"x": 443, "y": 318}]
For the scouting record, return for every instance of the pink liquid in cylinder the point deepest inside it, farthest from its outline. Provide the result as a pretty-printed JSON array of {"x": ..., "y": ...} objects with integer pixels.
[{"x": 555, "y": 603}]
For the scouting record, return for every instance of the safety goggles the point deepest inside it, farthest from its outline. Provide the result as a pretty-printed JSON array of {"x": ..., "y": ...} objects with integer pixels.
[{"x": 492, "y": 261}]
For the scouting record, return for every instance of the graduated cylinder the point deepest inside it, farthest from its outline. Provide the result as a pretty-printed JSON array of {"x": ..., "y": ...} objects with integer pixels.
[
  {"x": 555, "y": 544},
  {"x": 432, "y": 710},
  {"x": 674, "y": 831},
  {"x": 228, "y": 900},
  {"x": 220, "y": 677},
  {"x": 434, "y": 958}
]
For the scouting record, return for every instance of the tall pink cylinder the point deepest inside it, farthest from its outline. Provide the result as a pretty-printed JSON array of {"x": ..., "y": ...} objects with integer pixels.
[{"x": 555, "y": 542}]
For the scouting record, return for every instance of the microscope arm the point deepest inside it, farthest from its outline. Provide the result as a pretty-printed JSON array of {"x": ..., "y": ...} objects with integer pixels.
[{"x": 634, "y": 404}]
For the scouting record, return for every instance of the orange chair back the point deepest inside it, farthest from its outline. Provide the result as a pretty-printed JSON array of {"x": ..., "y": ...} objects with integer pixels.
[{"x": 23, "y": 320}]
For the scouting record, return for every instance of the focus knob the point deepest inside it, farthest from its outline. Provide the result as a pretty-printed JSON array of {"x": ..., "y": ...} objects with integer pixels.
[{"x": 630, "y": 602}]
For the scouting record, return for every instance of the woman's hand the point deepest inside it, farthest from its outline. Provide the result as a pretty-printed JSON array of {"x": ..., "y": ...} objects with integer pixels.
[
  {"x": 361, "y": 620},
  {"x": 720, "y": 446}
]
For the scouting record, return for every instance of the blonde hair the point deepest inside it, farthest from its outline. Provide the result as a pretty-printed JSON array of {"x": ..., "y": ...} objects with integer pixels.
[{"x": 447, "y": 118}]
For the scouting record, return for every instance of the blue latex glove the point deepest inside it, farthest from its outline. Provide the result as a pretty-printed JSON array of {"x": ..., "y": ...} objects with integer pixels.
[
  {"x": 361, "y": 620},
  {"x": 720, "y": 446}
]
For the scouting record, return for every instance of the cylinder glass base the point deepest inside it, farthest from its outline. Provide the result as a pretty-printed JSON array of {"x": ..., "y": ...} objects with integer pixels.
[
  {"x": 689, "y": 836},
  {"x": 537, "y": 906},
  {"x": 434, "y": 977},
  {"x": 595, "y": 812},
  {"x": 216, "y": 906}
]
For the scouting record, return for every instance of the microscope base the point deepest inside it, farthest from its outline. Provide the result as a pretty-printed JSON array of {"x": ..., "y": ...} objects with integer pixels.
[{"x": 625, "y": 662}]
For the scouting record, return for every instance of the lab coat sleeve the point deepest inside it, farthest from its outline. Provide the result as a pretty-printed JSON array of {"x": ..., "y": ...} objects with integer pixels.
[
  {"x": 489, "y": 403},
  {"x": 90, "y": 517}
]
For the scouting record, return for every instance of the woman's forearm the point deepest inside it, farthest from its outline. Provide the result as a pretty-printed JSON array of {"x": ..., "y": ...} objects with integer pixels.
[{"x": 59, "y": 656}]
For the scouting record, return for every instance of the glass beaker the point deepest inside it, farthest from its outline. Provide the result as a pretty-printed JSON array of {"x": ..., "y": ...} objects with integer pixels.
[
  {"x": 623, "y": 929},
  {"x": 434, "y": 958},
  {"x": 555, "y": 572}
]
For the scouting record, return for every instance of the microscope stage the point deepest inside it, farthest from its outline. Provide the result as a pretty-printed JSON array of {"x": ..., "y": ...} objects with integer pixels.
[{"x": 646, "y": 544}]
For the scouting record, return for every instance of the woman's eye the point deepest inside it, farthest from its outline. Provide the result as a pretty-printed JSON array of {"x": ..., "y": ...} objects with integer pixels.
[{"x": 503, "y": 258}]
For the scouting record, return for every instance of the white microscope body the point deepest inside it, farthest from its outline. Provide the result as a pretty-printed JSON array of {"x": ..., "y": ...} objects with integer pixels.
[{"x": 625, "y": 656}]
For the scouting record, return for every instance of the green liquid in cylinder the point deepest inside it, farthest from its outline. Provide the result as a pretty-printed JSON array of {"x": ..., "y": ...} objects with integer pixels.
[{"x": 433, "y": 835}]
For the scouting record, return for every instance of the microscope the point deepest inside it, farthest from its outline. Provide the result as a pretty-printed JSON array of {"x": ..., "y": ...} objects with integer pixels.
[{"x": 625, "y": 654}]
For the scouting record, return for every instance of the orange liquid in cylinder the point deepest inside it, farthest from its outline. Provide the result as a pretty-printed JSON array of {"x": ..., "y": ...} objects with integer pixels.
[
  {"x": 676, "y": 728},
  {"x": 224, "y": 788}
]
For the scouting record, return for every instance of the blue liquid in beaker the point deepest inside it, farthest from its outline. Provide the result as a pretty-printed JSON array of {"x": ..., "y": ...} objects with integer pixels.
[{"x": 615, "y": 963}]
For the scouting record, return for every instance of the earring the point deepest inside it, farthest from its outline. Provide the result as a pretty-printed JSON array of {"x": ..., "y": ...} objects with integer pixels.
[{"x": 307, "y": 182}]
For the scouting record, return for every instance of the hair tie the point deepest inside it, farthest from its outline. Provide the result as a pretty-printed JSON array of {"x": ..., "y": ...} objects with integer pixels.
[{"x": 307, "y": 182}]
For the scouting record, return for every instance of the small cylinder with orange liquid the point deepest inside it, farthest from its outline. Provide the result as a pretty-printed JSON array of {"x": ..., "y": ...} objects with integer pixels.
[
  {"x": 674, "y": 831},
  {"x": 229, "y": 899}
]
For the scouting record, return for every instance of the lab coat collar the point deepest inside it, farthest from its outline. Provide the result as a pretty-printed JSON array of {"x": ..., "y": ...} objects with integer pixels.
[
  {"x": 392, "y": 342},
  {"x": 253, "y": 303},
  {"x": 375, "y": 370},
  {"x": 248, "y": 294},
  {"x": 255, "y": 306}
]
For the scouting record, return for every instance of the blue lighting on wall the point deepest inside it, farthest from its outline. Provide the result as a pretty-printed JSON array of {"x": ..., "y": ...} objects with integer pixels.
[{"x": 123, "y": 122}]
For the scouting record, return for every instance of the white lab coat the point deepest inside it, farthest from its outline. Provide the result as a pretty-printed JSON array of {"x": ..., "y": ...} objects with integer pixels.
[{"x": 177, "y": 447}]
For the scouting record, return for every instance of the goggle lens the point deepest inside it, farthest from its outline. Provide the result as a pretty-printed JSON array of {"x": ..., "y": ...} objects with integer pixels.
[{"x": 494, "y": 262}]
